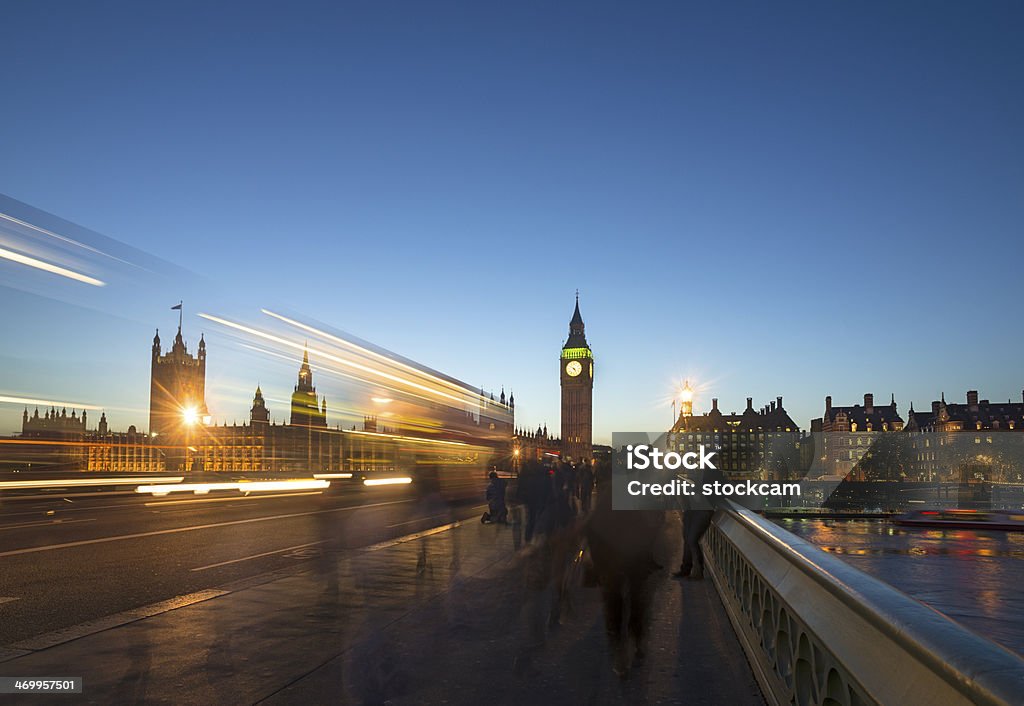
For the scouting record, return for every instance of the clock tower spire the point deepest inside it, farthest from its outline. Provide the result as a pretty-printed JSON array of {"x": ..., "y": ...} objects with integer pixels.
[{"x": 576, "y": 372}]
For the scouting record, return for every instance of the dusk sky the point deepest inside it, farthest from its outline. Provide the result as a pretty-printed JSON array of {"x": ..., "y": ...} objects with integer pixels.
[{"x": 792, "y": 199}]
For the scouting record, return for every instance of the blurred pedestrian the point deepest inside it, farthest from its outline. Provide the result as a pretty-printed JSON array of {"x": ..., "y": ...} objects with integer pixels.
[
  {"x": 698, "y": 511},
  {"x": 496, "y": 510},
  {"x": 621, "y": 546},
  {"x": 586, "y": 482},
  {"x": 534, "y": 493}
]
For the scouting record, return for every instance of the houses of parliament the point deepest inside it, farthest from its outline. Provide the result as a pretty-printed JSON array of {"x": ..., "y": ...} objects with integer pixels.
[{"x": 181, "y": 436}]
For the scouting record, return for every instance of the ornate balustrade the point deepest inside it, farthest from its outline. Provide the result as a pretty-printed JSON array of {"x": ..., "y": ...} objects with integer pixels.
[{"x": 819, "y": 631}]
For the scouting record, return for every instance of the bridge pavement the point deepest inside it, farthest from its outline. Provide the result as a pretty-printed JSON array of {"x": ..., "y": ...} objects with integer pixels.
[{"x": 433, "y": 619}]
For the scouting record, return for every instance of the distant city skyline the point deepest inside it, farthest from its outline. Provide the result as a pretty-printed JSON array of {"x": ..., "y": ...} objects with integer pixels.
[{"x": 799, "y": 201}]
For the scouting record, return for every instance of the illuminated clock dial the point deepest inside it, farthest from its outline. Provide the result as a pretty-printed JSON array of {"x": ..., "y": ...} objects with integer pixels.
[
  {"x": 591, "y": 370},
  {"x": 573, "y": 368}
]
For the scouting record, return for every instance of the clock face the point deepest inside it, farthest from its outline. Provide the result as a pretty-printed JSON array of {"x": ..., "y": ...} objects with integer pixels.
[
  {"x": 591, "y": 370},
  {"x": 573, "y": 368}
]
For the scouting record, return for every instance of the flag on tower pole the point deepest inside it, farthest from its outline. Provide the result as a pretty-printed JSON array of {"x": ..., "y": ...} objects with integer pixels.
[{"x": 177, "y": 307}]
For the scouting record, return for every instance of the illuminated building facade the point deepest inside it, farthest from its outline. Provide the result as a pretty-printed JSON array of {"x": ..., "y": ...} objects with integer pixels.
[
  {"x": 306, "y": 410},
  {"x": 177, "y": 389},
  {"x": 576, "y": 372},
  {"x": 183, "y": 438},
  {"x": 952, "y": 438},
  {"x": 849, "y": 432},
  {"x": 760, "y": 444},
  {"x": 534, "y": 446}
]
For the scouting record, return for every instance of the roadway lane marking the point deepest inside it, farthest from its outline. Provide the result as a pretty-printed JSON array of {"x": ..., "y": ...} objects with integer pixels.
[
  {"x": 45, "y": 522},
  {"x": 256, "y": 556},
  {"x": 85, "y": 507},
  {"x": 407, "y": 538},
  {"x": 158, "y": 503},
  {"x": 193, "y": 528},
  {"x": 58, "y": 637},
  {"x": 8, "y": 599},
  {"x": 418, "y": 519}
]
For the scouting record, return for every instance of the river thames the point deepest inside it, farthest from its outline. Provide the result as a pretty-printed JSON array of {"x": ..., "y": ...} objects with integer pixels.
[{"x": 973, "y": 576}]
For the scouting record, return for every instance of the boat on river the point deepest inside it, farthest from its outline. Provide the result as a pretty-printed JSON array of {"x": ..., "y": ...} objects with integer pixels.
[{"x": 964, "y": 518}]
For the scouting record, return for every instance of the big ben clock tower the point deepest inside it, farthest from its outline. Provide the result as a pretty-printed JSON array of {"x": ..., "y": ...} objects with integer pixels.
[{"x": 576, "y": 371}]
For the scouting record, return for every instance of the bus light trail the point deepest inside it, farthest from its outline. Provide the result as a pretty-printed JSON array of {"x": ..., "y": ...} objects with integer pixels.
[{"x": 245, "y": 487}]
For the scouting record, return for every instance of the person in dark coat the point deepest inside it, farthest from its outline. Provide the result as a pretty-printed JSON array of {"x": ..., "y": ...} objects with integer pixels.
[
  {"x": 621, "y": 546},
  {"x": 698, "y": 511},
  {"x": 534, "y": 492},
  {"x": 586, "y": 482},
  {"x": 496, "y": 510}
]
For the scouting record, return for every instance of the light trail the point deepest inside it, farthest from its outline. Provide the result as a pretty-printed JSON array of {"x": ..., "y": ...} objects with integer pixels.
[
  {"x": 329, "y": 356},
  {"x": 50, "y": 267},
  {"x": 58, "y": 236},
  {"x": 74, "y": 482},
  {"x": 233, "y": 498},
  {"x": 242, "y": 486},
  {"x": 52, "y": 403},
  {"x": 474, "y": 396},
  {"x": 388, "y": 481}
]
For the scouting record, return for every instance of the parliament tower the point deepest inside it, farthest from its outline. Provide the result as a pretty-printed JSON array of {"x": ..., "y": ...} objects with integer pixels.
[
  {"x": 177, "y": 388},
  {"x": 576, "y": 370},
  {"x": 307, "y": 409}
]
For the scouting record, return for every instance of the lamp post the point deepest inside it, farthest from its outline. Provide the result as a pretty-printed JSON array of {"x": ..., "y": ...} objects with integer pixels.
[{"x": 189, "y": 418}]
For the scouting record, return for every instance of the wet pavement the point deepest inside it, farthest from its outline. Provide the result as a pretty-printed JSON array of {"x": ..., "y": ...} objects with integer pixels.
[{"x": 447, "y": 616}]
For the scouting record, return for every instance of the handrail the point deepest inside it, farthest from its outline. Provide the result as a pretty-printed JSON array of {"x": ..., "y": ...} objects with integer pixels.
[{"x": 978, "y": 669}]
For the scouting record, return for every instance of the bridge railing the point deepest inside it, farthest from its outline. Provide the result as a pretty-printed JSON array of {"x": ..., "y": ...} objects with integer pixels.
[{"x": 819, "y": 631}]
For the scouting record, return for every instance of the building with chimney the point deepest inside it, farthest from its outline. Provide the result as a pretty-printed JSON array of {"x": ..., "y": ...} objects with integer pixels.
[
  {"x": 758, "y": 443},
  {"x": 847, "y": 433},
  {"x": 950, "y": 440}
]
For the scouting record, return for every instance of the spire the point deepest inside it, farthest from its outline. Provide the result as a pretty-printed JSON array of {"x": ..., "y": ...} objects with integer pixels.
[
  {"x": 305, "y": 374},
  {"x": 577, "y": 338},
  {"x": 178, "y": 341},
  {"x": 577, "y": 318}
]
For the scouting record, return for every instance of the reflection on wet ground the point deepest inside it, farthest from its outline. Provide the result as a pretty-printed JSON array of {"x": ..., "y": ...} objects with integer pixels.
[{"x": 973, "y": 576}]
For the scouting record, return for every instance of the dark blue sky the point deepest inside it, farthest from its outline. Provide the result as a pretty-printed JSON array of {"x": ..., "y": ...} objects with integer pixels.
[{"x": 773, "y": 198}]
